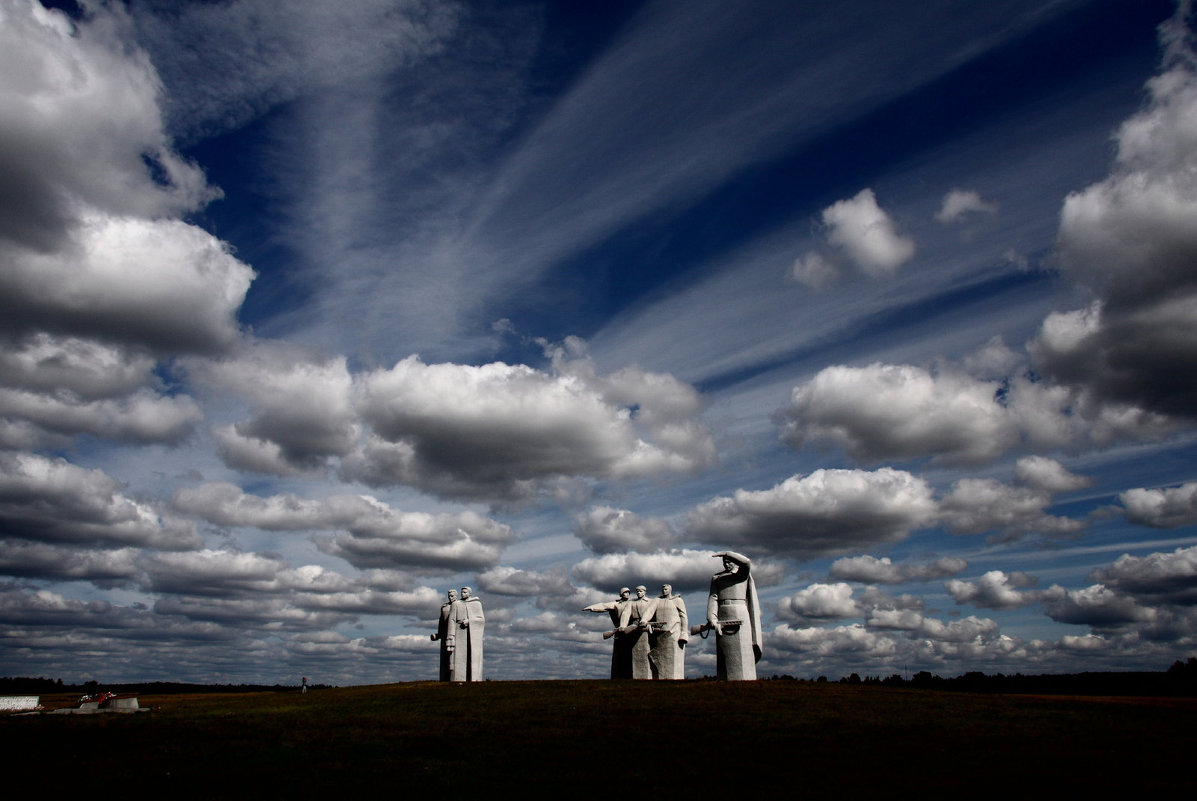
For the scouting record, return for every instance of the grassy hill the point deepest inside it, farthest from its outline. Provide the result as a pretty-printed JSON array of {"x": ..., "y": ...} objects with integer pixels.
[{"x": 603, "y": 739}]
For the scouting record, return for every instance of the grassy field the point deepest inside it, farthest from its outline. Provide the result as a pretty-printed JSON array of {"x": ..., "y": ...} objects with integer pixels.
[{"x": 603, "y": 739}]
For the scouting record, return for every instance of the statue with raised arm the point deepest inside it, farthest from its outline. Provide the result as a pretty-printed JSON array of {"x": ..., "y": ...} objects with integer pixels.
[
  {"x": 634, "y": 622},
  {"x": 466, "y": 626},
  {"x": 621, "y": 655},
  {"x": 442, "y": 631},
  {"x": 670, "y": 630},
  {"x": 734, "y": 614}
]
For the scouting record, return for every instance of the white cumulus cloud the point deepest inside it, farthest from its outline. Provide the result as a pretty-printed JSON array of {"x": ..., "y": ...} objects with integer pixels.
[
  {"x": 824, "y": 513},
  {"x": 993, "y": 590},
  {"x": 871, "y": 570},
  {"x": 1132, "y": 240},
  {"x": 866, "y": 234},
  {"x": 51, "y": 500},
  {"x": 1161, "y": 508},
  {"x": 825, "y": 601},
  {"x": 603, "y": 529},
  {"x": 523, "y": 427}
]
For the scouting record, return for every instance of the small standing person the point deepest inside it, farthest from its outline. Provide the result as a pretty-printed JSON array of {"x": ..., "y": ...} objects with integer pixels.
[
  {"x": 466, "y": 626},
  {"x": 735, "y": 615},
  {"x": 442, "y": 631},
  {"x": 669, "y": 636},
  {"x": 303, "y": 686}
]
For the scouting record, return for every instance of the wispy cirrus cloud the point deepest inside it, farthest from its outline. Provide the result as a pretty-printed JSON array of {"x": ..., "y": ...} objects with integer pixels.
[{"x": 959, "y": 203}]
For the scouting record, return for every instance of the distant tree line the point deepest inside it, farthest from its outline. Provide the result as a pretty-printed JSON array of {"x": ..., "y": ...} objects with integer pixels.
[
  {"x": 24, "y": 685},
  {"x": 1178, "y": 680}
]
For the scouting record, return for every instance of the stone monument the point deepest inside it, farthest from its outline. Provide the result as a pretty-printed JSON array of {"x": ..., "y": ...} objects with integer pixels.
[
  {"x": 670, "y": 630},
  {"x": 621, "y": 655},
  {"x": 442, "y": 631},
  {"x": 734, "y": 614},
  {"x": 465, "y": 630},
  {"x": 634, "y": 623}
]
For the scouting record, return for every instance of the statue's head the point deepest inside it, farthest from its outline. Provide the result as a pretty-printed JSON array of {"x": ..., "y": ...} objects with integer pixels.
[
  {"x": 624, "y": 593},
  {"x": 729, "y": 565},
  {"x": 465, "y": 593},
  {"x": 452, "y": 595},
  {"x": 641, "y": 591},
  {"x": 666, "y": 590}
]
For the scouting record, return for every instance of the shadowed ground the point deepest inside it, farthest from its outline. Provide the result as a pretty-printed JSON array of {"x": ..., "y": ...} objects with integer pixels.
[{"x": 594, "y": 739}]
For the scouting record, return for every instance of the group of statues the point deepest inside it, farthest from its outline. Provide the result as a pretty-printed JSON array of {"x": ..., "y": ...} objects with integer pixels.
[
  {"x": 650, "y": 634},
  {"x": 460, "y": 633}
]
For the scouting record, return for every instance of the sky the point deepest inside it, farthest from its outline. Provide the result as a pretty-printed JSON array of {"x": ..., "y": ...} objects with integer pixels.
[{"x": 311, "y": 312}]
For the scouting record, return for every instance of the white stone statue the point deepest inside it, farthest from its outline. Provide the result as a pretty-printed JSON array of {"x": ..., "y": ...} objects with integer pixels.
[
  {"x": 734, "y": 614},
  {"x": 465, "y": 630},
  {"x": 442, "y": 631},
  {"x": 634, "y": 623},
  {"x": 668, "y": 637},
  {"x": 621, "y": 655}
]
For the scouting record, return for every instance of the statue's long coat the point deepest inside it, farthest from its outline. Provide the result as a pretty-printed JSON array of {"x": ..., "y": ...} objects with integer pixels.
[
  {"x": 636, "y": 611},
  {"x": 442, "y": 631},
  {"x": 667, "y": 657},
  {"x": 733, "y": 597},
  {"x": 467, "y": 641}
]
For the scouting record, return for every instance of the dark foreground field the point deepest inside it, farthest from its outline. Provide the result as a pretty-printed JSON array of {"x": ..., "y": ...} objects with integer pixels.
[{"x": 701, "y": 740}]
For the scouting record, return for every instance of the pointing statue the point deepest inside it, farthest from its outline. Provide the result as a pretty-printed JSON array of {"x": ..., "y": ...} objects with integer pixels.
[
  {"x": 734, "y": 614},
  {"x": 668, "y": 637},
  {"x": 464, "y": 631},
  {"x": 442, "y": 631},
  {"x": 621, "y": 654}
]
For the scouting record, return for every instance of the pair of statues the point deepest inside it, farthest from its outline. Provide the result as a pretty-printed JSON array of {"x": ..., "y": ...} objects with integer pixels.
[
  {"x": 460, "y": 633},
  {"x": 651, "y": 634}
]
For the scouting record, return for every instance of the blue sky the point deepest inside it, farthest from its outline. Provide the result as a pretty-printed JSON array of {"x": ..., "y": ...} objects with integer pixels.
[{"x": 312, "y": 313}]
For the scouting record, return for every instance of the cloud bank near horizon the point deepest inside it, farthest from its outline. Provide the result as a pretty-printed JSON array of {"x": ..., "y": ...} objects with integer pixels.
[{"x": 217, "y": 432}]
